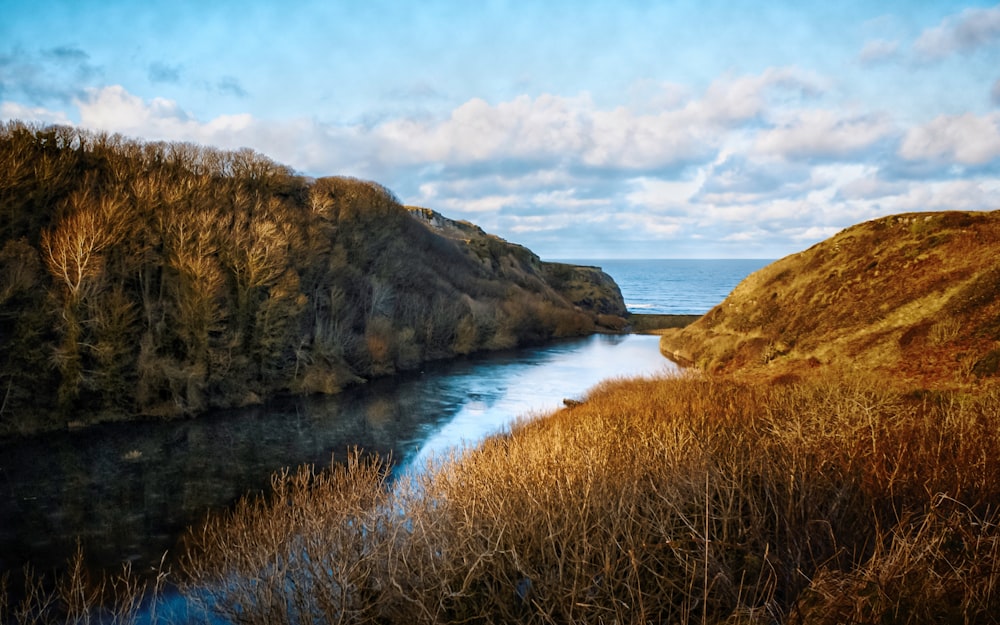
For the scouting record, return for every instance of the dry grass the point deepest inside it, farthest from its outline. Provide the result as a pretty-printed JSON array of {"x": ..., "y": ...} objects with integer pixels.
[
  {"x": 684, "y": 500},
  {"x": 77, "y": 597},
  {"x": 910, "y": 295}
]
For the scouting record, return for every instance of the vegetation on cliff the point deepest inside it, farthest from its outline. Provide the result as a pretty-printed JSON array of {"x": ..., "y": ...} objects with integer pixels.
[
  {"x": 687, "y": 500},
  {"x": 913, "y": 296},
  {"x": 754, "y": 494},
  {"x": 166, "y": 279},
  {"x": 750, "y": 492}
]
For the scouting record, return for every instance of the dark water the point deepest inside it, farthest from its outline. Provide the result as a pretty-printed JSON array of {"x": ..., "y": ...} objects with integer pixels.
[
  {"x": 677, "y": 287},
  {"x": 128, "y": 490}
]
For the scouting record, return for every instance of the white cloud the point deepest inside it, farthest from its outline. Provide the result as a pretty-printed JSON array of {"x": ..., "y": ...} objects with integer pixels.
[
  {"x": 114, "y": 108},
  {"x": 575, "y": 131},
  {"x": 734, "y": 100},
  {"x": 967, "y": 139},
  {"x": 32, "y": 114},
  {"x": 637, "y": 224},
  {"x": 743, "y": 236},
  {"x": 564, "y": 173},
  {"x": 540, "y": 223},
  {"x": 970, "y": 29},
  {"x": 948, "y": 195},
  {"x": 877, "y": 51},
  {"x": 303, "y": 144},
  {"x": 824, "y": 134},
  {"x": 548, "y": 128},
  {"x": 481, "y": 204},
  {"x": 544, "y": 133},
  {"x": 661, "y": 195},
  {"x": 868, "y": 186},
  {"x": 566, "y": 199},
  {"x": 813, "y": 233}
]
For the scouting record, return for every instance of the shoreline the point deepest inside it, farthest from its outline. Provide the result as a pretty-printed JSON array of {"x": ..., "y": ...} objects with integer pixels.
[{"x": 639, "y": 323}]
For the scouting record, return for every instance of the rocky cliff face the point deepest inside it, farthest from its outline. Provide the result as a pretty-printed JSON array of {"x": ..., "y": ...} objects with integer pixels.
[{"x": 587, "y": 288}]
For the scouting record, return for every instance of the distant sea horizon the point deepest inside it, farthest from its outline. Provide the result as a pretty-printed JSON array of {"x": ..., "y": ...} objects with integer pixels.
[{"x": 675, "y": 286}]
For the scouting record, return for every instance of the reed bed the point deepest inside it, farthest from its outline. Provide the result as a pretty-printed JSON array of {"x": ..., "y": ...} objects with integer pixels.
[{"x": 679, "y": 500}]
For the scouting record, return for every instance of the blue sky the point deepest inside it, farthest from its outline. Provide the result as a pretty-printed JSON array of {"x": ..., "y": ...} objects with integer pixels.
[{"x": 583, "y": 129}]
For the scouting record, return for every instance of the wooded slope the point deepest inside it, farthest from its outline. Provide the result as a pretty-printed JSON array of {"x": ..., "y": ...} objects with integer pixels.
[
  {"x": 166, "y": 279},
  {"x": 913, "y": 296}
]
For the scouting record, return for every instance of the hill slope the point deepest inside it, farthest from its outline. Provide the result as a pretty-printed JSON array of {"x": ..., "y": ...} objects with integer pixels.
[
  {"x": 166, "y": 279},
  {"x": 914, "y": 296}
]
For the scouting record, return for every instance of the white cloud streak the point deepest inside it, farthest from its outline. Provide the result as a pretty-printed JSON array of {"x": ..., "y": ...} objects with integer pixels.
[
  {"x": 824, "y": 134},
  {"x": 32, "y": 114},
  {"x": 966, "y": 139},
  {"x": 749, "y": 164},
  {"x": 969, "y": 30},
  {"x": 878, "y": 51}
]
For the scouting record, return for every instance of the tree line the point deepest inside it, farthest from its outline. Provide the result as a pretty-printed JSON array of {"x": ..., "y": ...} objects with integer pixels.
[{"x": 152, "y": 278}]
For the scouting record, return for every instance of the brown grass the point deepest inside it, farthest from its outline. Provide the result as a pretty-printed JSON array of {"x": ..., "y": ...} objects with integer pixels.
[
  {"x": 76, "y": 596},
  {"x": 912, "y": 296},
  {"x": 682, "y": 500}
]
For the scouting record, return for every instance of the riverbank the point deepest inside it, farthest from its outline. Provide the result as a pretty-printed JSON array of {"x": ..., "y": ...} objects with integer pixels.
[
  {"x": 129, "y": 490},
  {"x": 655, "y": 323},
  {"x": 680, "y": 500},
  {"x": 686, "y": 499}
]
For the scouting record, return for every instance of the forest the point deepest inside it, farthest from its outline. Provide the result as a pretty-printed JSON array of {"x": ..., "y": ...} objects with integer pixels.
[{"x": 166, "y": 279}]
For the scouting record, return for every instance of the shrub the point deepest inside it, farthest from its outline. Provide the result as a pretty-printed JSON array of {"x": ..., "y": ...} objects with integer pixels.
[
  {"x": 678, "y": 500},
  {"x": 685, "y": 500}
]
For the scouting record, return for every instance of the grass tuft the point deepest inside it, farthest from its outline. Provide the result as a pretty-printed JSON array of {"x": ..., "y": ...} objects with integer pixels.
[{"x": 678, "y": 500}]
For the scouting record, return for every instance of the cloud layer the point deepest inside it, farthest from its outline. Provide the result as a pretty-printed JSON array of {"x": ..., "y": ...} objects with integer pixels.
[{"x": 751, "y": 164}]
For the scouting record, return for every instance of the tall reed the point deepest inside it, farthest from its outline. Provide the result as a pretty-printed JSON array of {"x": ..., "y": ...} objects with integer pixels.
[{"x": 679, "y": 500}]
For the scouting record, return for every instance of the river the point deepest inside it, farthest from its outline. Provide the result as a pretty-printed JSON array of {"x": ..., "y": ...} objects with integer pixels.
[{"x": 128, "y": 491}]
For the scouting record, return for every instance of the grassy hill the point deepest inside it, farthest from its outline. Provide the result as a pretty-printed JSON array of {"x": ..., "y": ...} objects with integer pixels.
[
  {"x": 912, "y": 296},
  {"x": 837, "y": 495},
  {"x": 166, "y": 279}
]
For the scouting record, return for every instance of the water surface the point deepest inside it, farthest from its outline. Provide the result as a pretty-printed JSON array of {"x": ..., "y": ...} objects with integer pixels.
[
  {"x": 129, "y": 490},
  {"x": 676, "y": 286}
]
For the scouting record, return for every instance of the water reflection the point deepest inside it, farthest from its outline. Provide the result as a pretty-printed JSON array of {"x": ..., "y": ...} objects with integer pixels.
[{"x": 128, "y": 491}]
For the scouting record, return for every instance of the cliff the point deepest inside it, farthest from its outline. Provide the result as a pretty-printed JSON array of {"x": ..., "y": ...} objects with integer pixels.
[
  {"x": 588, "y": 288},
  {"x": 167, "y": 279},
  {"x": 914, "y": 296}
]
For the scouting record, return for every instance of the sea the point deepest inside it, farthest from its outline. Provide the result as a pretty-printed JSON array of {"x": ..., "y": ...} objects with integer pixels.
[{"x": 675, "y": 286}]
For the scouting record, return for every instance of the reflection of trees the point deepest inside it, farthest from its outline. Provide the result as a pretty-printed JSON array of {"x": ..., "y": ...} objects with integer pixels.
[{"x": 380, "y": 413}]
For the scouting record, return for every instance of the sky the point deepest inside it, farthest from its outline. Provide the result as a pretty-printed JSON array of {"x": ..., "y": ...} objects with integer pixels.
[{"x": 583, "y": 129}]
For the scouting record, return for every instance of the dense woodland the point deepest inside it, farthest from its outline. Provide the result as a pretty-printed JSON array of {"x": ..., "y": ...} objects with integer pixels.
[{"x": 169, "y": 278}]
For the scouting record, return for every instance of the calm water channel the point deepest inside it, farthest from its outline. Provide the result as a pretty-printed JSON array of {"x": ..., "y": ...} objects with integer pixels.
[{"x": 128, "y": 491}]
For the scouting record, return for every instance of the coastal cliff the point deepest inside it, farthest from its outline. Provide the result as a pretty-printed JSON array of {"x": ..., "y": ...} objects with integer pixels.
[
  {"x": 913, "y": 296},
  {"x": 167, "y": 279}
]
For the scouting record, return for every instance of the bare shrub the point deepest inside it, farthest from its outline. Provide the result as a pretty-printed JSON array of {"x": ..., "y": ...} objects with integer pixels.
[
  {"x": 312, "y": 551},
  {"x": 937, "y": 567},
  {"x": 76, "y": 596},
  {"x": 685, "y": 500}
]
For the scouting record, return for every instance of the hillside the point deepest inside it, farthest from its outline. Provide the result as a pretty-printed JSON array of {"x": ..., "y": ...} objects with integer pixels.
[
  {"x": 915, "y": 297},
  {"x": 166, "y": 279}
]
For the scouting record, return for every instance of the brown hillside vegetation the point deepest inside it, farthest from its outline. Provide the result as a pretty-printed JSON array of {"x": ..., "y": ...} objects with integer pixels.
[
  {"x": 915, "y": 297},
  {"x": 166, "y": 279},
  {"x": 686, "y": 500}
]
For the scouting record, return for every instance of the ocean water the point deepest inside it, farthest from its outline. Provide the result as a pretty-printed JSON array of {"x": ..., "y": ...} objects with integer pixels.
[{"x": 674, "y": 286}]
